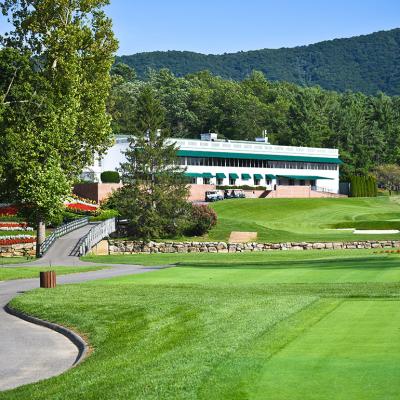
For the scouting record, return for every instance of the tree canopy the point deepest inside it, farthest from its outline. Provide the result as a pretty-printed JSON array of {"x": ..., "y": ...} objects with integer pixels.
[
  {"x": 154, "y": 195},
  {"x": 54, "y": 85},
  {"x": 365, "y": 129}
]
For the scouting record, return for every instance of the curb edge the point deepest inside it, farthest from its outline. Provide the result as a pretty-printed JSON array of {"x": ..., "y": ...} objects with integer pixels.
[{"x": 83, "y": 348}]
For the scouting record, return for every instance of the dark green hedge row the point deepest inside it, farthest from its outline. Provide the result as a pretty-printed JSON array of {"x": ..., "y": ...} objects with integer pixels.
[
  {"x": 363, "y": 186},
  {"x": 110, "y": 177}
]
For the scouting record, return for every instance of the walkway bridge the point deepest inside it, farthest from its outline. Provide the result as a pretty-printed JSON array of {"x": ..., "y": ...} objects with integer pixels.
[{"x": 73, "y": 240}]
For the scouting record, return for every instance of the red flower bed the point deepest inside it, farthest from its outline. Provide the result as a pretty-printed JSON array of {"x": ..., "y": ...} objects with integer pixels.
[
  {"x": 8, "y": 211},
  {"x": 13, "y": 224},
  {"x": 81, "y": 207},
  {"x": 8, "y": 242}
]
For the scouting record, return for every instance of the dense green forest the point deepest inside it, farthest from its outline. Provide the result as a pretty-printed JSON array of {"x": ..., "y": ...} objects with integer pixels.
[
  {"x": 365, "y": 128},
  {"x": 367, "y": 64}
]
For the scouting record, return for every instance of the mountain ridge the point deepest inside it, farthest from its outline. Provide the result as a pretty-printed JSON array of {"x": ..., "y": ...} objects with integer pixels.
[{"x": 366, "y": 63}]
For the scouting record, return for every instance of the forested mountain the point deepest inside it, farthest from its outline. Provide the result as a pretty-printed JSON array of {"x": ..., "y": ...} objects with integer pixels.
[
  {"x": 365, "y": 128},
  {"x": 368, "y": 63}
]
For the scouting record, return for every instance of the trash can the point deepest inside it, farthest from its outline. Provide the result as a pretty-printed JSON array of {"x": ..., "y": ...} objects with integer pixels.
[{"x": 48, "y": 279}]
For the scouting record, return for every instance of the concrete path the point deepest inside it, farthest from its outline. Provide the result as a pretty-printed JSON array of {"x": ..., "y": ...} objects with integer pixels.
[
  {"x": 28, "y": 352},
  {"x": 60, "y": 254}
]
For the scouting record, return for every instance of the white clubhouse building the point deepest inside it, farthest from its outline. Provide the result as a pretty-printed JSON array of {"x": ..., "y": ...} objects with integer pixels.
[{"x": 220, "y": 162}]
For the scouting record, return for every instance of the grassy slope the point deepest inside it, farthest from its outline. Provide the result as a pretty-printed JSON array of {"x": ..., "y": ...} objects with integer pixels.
[
  {"x": 291, "y": 220},
  {"x": 7, "y": 273},
  {"x": 292, "y": 325}
]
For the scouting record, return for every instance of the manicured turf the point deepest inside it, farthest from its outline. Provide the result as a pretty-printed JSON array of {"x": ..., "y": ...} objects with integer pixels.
[
  {"x": 15, "y": 260},
  {"x": 296, "y": 220},
  {"x": 291, "y": 325},
  {"x": 7, "y": 274},
  {"x": 14, "y": 233}
]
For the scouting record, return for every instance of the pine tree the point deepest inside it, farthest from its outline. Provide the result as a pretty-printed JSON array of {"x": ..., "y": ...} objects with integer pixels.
[{"x": 154, "y": 196}]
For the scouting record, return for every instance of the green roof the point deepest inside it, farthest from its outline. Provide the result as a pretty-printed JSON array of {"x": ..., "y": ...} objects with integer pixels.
[
  {"x": 233, "y": 175},
  {"x": 246, "y": 177},
  {"x": 258, "y": 176},
  {"x": 303, "y": 177},
  {"x": 193, "y": 174},
  {"x": 220, "y": 175},
  {"x": 207, "y": 175},
  {"x": 271, "y": 157},
  {"x": 270, "y": 176}
]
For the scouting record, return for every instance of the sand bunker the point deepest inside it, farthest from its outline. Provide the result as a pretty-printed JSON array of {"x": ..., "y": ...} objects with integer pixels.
[{"x": 242, "y": 237}]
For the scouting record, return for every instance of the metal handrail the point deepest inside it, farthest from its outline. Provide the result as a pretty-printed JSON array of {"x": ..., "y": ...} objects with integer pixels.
[
  {"x": 61, "y": 231},
  {"x": 97, "y": 233}
]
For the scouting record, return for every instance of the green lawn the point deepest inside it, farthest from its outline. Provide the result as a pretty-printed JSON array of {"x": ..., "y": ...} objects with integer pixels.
[
  {"x": 14, "y": 233},
  {"x": 15, "y": 260},
  {"x": 289, "y": 325},
  {"x": 293, "y": 220},
  {"x": 7, "y": 274}
]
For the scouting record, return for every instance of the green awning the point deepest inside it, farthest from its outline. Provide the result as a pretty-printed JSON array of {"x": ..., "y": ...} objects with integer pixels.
[
  {"x": 304, "y": 177},
  {"x": 207, "y": 175},
  {"x": 193, "y": 174},
  {"x": 258, "y": 176},
  {"x": 270, "y": 176},
  {"x": 252, "y": 156},
  {"x": 246, "y": 177},
  {"x": 220, "y": 175},
  {"x": 233, "y": 175}
]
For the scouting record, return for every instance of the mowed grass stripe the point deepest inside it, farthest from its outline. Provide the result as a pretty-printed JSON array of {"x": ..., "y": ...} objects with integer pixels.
[
  {"x": 213, "y": 329},
  {"x": 353, "y": 353}
]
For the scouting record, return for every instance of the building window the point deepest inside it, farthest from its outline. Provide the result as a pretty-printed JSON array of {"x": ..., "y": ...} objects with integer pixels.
[
  {"x": 220, "y": 181},
  {"x": 291, "y": 182},
  {"x": 268, "y": 182},
  {"x": 206, "y": 181},
  {"x": 232, "y": 182},
  {"x": 302, "y": 182},
  {"x": 193, "y": 181},
  {"x": 256, "y": 182}
]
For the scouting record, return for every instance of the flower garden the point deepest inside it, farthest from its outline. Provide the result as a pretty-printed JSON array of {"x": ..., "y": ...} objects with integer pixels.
[{"x": 13, "y": 230}]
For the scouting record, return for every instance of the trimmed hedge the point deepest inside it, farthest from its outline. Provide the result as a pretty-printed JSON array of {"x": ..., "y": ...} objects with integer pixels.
[
  {"x": 363, "y": 186},
  {"x": 110, "y": 177}
]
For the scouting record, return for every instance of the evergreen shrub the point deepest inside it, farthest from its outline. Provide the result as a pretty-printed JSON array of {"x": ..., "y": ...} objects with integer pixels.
[{"x": 110, "y": 177}]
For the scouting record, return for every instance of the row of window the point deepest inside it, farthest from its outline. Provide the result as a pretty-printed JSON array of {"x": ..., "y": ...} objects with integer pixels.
[
  {"x": 250, "y": 163},
  {"x": 256, "y": 182}
]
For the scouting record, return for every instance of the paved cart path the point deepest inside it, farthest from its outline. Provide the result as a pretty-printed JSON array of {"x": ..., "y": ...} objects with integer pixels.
[{"x": 28, "y": 352}]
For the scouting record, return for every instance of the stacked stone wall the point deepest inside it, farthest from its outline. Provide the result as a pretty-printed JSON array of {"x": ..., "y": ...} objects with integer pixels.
[
  {"x": 18, "y": 250},
  {"x": 116, "y": 246}
]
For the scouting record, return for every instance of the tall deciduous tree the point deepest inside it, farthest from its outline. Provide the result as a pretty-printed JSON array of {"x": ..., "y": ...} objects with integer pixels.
[
  {"x": 388, "y": 177},
  {"x": 57, "y": 120},
  {"x": 154, "y": 196}
]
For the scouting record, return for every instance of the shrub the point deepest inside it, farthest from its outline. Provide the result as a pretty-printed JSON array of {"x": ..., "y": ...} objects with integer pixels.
[
  {"x": 201, "y": 219},
  {"x": 105, "y": 214},
  {"x": 363, "y": 186},
  {"x": 110, "y": 177}
]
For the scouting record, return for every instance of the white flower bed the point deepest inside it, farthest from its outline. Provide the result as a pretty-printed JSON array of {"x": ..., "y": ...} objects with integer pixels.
[{"x": 6, "y": 237}]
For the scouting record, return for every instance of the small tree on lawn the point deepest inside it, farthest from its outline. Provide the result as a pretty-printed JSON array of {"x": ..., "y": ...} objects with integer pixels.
[
  {"x": 154, "y": 196},
  {"x": 388, "y": 177},
  {"x": 53, "y": 107}
]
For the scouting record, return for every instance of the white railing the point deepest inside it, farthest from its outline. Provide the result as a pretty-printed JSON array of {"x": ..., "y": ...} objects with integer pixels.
[
  {"x": 95, "y": 235},
  {"x": 61, "y": 231}
]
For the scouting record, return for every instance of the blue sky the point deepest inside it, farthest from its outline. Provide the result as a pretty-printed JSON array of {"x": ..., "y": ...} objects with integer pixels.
[{"x": 218, "y": 26}]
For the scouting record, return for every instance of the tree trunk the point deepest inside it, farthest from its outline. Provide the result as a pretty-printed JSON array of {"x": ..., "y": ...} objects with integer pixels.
[{"x": 40, "y": 236}]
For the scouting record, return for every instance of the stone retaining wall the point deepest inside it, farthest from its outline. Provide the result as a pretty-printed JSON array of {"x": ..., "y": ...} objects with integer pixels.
[
  {"x": 18, "y": 250},
  {"x": 131, "y": 247}
]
